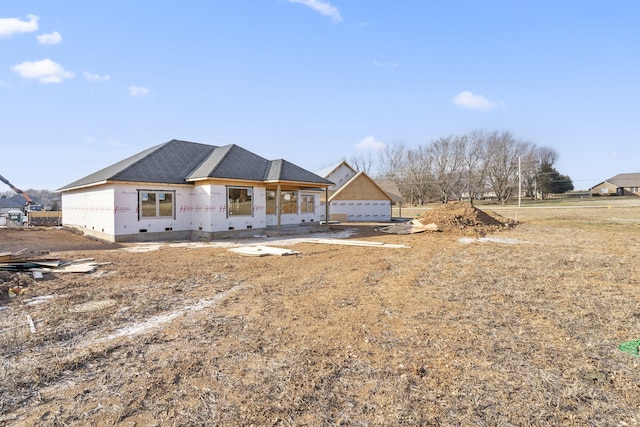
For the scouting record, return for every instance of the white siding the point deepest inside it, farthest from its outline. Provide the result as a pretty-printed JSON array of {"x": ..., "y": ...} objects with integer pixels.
[
  {"x": 340, "y": 176},
  {"x": 362, "y": 210},
  {"x": 126, "y": 210},
  {"x": 90, "y": 209}
]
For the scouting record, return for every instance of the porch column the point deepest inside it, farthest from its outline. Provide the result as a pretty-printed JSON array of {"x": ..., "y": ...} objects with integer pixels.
[
  {"x": 326, "y": 206},
  {"x": 278, "y": 205}
]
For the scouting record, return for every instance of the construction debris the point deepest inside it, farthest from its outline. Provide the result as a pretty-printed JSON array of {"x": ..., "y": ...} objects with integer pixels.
[
  {"x": 16, "y": 263},
  {"x": 631, "y": 347},
  {"x": 349, "y": 242},
  {"x": 32, "y": 326},
  {"x": 411, "y": 227},
  {"x": 262, "y": 251}
]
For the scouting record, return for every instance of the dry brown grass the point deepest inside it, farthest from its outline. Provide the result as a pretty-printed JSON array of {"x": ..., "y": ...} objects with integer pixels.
[{"x": 444, "y": 333}]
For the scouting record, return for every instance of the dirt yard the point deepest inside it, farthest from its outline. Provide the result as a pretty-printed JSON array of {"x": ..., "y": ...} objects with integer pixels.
[{"x": 468, "y": 326}]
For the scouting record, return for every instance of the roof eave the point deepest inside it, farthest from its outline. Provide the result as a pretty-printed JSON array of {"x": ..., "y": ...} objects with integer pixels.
[
  {"x": 116, "y": 182},
  {"x": 300, "y": 183},
  {"x": 78, "y": 187}
]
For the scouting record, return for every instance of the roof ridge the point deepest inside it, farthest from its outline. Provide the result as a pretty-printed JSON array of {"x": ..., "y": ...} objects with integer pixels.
[
  {"x": 226, "y": 149},
  {"x": 204, "y": 158},
  {"x": 146, "y": 152},
  {"x": 275, "y": 167}
]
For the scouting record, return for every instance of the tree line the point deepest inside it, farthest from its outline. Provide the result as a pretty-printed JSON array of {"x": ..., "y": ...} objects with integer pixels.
[
  {"x": 46, "y": 198},
  {"x": 469, "y": 166}
]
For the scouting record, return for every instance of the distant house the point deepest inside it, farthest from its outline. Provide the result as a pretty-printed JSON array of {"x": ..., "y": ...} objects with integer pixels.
[
  {"x": 624, "y": 184},
  {"x": 184, "y": 190},
  {"x": 354, "y": 196},
  {"x": 16, "y": 202},
  {"x": 392, "y": 190}
]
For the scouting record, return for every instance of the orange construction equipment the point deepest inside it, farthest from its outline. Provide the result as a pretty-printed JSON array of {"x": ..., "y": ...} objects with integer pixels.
[{"x": 27, "y": 199}]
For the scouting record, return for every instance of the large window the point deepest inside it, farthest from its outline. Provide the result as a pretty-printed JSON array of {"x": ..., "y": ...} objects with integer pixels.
[
  {"x": 289, "y": 202},
  {"x": 308, "y": 204},
  {"x": 156, "y": 204},
  {"x": 240, "y": 201}
]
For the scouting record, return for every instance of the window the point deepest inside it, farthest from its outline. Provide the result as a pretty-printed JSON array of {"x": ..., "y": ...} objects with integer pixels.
[
  {"x": 271, "y": 202},
  {"x": 240, "y": 201},
  {"x": 289, "y": 202},
  {"x": 308, "y": 204},
  {"x": 604, "y": 190},
  {"x": 634, "y": 189},
  {"x": 156, "y": 204}
]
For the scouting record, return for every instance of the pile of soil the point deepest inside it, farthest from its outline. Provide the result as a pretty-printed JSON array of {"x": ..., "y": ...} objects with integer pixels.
[{"x": 466, "y": 218}]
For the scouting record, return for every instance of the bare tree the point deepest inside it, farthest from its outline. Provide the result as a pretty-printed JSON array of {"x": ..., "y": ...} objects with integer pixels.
[
  {"x": 530, "y": 164},
  {"x": 419, "y": 177},
  {"x": 469, "y": 163},
  {"x": 393, "y": 164},
  {"x": 502, "y": 172},
  {"x": 547, "y": 155},
  {"x": 391, "y": 160},
  {"x": 475, "y": 161},
  {"x": 446, "y": 155},
  {"x": 363, "y": 163}
]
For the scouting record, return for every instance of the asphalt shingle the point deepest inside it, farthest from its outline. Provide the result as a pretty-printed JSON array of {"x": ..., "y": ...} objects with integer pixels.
[{"x": 182, "y": 162}]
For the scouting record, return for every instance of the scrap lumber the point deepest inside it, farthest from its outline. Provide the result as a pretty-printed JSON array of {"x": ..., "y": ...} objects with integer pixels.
[
  {"x": 348, "y": 242},
  {"x": 18, "y": 263},
  {"x": 6, "y": 256},
  {"x": 83, "y": 267},
  {"x": 411, "y": 227},
  {"x": 32, "y": 326},
  {"x": 263, "y": 251}
]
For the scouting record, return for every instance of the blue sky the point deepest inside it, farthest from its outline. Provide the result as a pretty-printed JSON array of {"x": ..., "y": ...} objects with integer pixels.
[{"x": 84, "y": 84}]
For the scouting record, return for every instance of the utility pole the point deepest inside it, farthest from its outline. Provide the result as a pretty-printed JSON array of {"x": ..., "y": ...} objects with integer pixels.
[{"x": 519, "y": 184}]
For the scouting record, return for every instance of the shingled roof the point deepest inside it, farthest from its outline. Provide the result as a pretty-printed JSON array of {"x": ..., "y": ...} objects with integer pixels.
[
  {"x": 625, "y": 180},
  {"x": 182, "y": 162}
]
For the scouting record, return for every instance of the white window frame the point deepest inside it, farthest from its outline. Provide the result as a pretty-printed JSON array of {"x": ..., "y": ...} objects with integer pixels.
[
  {"x": 158, "y": 195},
  {"x": 307, "y": 201},
  {"x": 230, "y": 203}
]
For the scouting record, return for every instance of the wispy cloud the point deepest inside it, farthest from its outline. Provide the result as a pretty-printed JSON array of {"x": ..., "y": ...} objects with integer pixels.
[
  {"x": 11, "y": 26},
  {"x": 52, "y": 38},
  {"x": 96, "y": 77},
  {"x": 45, "y": 71},
  {"x": 138, "y": 91},
  {"x": 473, "y": 101},
  {"x": 321, "y": 7},
  {"x": 370, "y": 143}
]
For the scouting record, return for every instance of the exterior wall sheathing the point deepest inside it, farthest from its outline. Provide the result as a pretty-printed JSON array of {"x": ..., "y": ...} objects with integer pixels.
[{"x": 110, "y": 213}]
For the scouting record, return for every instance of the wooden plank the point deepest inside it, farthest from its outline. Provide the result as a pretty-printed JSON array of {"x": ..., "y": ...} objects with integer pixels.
[
  {"x": 365, "y": 243},
  {"x": 262, "y": 251},
  {"x": 86, "y": 267},
  {"x": 339, "y": 217},
  {"x": 6, "y": 256}
]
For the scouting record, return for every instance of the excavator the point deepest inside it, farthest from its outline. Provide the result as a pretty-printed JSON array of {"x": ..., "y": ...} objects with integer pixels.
[{"x": 27, "y": 199}]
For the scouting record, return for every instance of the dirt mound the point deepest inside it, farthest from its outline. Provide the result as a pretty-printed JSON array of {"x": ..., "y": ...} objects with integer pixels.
[{"x": 466, "y": 218}]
